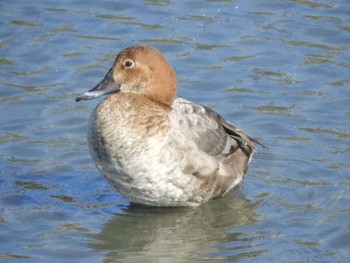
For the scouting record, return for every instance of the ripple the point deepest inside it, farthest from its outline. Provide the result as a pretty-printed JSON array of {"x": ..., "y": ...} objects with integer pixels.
[
  {"x": 53, "y": 9},
  {"x": 25, "y": 23},
  {"x": 28, "y": 185},
  {"x": 345, "y": 28},
  {"x": 314, "y": 45},
  {"x": 63, "y": 28},
  {"x": 325, "y": 58},
  {"x": 118, "y": 17},
  {"x": 74, "y": 54},
  {"x": 29, "y": 73},
  {"x": 31, "y": 88},
  {"x": 158, "y": 2},
  {"x": 12, "y": 256},
  {"x": 145, "y": 26},
  {"x": 316, "y": 4},
  {"x": 209, "y": 68},
  {"x": 210, "y": 47},
  {"x": 12, "y": 137},
  {"x": 294, "y": 138},
  {"x": 335, "y": 132},
  {"x": 100, "y": 37},
  {"x": 165, "y": 41},
  {"x": 202, "y": 18},
  {"x": 278, "y": 110},
  {"x": 6, "y": 62},
  {"x": 339, "y": 83},
  {"x": 245, "y": 90},
  {"x": 238, "y": 58}
]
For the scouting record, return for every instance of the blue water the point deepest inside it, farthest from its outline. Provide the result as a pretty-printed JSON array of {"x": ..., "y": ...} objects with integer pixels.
[{"x": 278, "y": 69}]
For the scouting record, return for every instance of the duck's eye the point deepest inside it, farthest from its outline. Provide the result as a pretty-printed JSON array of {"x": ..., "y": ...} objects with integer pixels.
[{"x": 129, "y": 64}]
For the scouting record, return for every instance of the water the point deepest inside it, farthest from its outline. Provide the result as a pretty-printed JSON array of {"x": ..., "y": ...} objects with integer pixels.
[{"x": 278, "y": 69}]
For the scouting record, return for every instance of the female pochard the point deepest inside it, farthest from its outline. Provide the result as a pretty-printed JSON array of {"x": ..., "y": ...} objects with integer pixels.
[{"x": 158, "y": 149}]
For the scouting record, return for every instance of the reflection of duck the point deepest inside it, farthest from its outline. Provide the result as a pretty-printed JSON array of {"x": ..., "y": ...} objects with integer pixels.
[
  {"x": 150, "y": 234},
  {"x": 157, "y": 149}
]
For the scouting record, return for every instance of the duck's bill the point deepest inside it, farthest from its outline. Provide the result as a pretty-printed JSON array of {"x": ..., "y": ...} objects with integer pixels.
[{"x": 106, "y": 86}]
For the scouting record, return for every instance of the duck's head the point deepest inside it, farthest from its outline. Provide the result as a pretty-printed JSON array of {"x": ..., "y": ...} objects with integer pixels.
[{"x": 138, "y": 69}]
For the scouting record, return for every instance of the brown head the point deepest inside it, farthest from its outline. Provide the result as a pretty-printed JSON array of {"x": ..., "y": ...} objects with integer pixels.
[{"x": 138, "y": 69}]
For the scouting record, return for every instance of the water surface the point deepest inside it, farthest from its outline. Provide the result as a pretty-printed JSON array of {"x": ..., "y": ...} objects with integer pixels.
[{"x": 278, "y": 69}]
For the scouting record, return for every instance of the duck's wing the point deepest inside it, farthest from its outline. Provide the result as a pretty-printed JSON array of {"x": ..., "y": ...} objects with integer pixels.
[
  {"x": 208, "y": 147},
  {"x": 236, "y": 133},
  {"x": 208, "y": 131}
]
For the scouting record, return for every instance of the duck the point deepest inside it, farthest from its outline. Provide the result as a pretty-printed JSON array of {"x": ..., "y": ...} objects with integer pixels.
[{"x": 156, "y": 148}]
